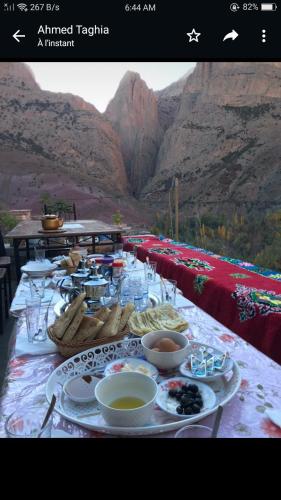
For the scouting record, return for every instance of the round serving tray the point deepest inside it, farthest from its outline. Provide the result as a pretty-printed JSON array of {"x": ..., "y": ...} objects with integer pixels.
[{"x": 92, "y": 360}]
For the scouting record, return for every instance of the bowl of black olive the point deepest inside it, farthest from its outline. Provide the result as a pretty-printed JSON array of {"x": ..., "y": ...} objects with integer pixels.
[{"x": 183, "y": 398}]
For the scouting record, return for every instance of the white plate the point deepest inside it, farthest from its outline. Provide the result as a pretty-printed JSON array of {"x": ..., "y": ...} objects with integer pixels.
[
  {"x": 79, "y": 390},
  {"x": 95, "y": 256},
  {"x": 117, "y": 365},
  {"x": 169, "y": 405},
  {"x": 274, "y": 415},
  {"x": 34, "y": 268},
  {"x": 89, "y": 361},
  {"x": 185, "y": 366}
]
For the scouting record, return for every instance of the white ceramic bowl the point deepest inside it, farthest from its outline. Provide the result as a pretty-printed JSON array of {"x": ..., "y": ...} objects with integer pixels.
[
  {"x": 165, "y": 360},
  {"x": 129, "y": 384},
  {"x": 79, "y": 390}
]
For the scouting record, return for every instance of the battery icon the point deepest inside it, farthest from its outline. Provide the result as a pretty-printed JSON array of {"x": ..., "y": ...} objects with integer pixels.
[{"x": 269, "y": 7}]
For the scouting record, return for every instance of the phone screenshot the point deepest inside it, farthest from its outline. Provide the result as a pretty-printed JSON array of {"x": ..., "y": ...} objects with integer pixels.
[{"x": 140, "y": 219}]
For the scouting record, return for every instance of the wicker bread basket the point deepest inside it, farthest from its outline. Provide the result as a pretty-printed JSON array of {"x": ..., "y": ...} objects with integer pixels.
[{"x": 68, "y": 349}]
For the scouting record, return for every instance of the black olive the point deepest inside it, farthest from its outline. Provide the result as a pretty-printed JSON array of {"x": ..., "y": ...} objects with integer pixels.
[
  {"x": 184, "y": 389},
  {"x": 186, "y": 401},
  {"x": 196, "y": 408},
  {"x": 193, "y": 388},
  {"x": 179, "y": 410},
  {"x": 188, "y": 410},
  {"x": 172, "y": 393}
]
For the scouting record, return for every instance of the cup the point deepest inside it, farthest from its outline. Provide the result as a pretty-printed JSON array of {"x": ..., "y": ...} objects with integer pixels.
[
  {"x": 39, "y": 254},
  {"x": 131, "y": 260},
  {"x": 194, "y": 431},
  {"x": 118, "y": 250},
  {"x": 168, "y": 291},
  {"x": 41, "y": 334},
  {"x": 32, "y": 314},
  {"x": 150, "y": 271},
  {"x": 37, "y": 289},
  {"x": 26, "y": 423}
]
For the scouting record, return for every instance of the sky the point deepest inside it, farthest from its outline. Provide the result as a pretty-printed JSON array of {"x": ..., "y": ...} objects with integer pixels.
[{"x": 98, "y": 82}]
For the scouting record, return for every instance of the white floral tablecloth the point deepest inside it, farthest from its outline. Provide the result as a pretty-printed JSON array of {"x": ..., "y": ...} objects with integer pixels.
[{"x": 243, "y": 417}]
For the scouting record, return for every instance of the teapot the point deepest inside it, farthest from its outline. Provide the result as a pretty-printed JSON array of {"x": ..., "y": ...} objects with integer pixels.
[{"x": 50, "y": 222}]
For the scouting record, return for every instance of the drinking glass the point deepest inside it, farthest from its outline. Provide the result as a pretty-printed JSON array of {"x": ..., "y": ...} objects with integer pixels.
[
  {"x": 41, "y": 334},
  {"x": 150, "y": 271},
  {"x": 39, "y": 254},
  {"x": 137, "y": 293},
  {"x": 37, "y": 288},
  {"x": 145, "y": 290},
  {"x": 131, "y": 260},
  {"x": 118, "y": 250},
  {"x": 168, "y": 291},
  {"x": 32, "y": 314},
  {"x": 194, "y": 431},
  {"x": 26, "y": 423}
]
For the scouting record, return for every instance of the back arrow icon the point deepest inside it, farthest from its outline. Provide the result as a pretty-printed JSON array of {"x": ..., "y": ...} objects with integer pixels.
[
  {"x": 233, "y": 34},
  {"x": 16, "y": 36}
]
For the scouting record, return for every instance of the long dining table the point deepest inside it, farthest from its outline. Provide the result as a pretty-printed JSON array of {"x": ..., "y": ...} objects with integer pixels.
[
  {"x": 245, "y": 416},
  {"x": 28, "y": 230}
]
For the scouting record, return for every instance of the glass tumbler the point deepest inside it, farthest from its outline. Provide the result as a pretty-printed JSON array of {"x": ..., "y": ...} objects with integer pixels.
[
  {"x": 194, "y": 431},
  {"x": 26, "y": 423},
  {"x": 150, "y": 271},
  {"x": 32, "y": 314},
  {"x": 168, "y": 291},
  {"x": 118, "y": 250}
]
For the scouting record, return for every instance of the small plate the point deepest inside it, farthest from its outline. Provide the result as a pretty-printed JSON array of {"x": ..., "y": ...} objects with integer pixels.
[
  {"x": 169, "y": 405},
  {"x": 81, "y": 389},
  {"x": 118, "y": 365},
  {"x": 38, "y": 269},
  {"x": 186, "y": 370},
  {"x": 274, "y": 415}
]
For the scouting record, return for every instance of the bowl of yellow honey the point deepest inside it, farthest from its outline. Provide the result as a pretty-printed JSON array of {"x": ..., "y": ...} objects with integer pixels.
[{"x": 126, "y": 399}]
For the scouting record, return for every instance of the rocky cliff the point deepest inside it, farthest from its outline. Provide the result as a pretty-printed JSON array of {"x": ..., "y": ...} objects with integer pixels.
[
  {"x": 133, "y": 113},
  {"x": 218, "y": 129},
  {"x": 224, "y": 143},
  {"x": 56, "y": 143},
  {"x": 169, "y": 100}
]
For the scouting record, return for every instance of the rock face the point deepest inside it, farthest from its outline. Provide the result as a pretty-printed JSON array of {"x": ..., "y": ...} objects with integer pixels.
[
  {"x": 55, "y": 143},
  {"x": 133, "y": 113},
  {"x": 224, "y": 143},
  {"x": 17, "y": 75},
  {"x": 218, "y": 129},
  {"x": 169, "y": 100}
]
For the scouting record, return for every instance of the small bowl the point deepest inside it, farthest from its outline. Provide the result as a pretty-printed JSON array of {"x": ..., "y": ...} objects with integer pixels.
[
  {"x": 129, "y": 384},
  {"x": 80, "y": 390},
  {"x": 165, "y": 360}
]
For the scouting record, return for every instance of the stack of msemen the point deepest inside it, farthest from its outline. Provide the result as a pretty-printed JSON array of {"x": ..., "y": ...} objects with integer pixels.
[
  {"x": 75, "y": 332},
  {"x": 163, "y": 317}
]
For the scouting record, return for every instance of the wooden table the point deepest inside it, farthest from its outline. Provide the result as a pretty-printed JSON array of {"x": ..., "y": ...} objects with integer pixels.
[{"x": 30, "y": 230}]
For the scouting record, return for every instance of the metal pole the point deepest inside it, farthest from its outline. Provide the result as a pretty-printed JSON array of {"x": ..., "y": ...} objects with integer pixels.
[{"x": 177, "y": 209}]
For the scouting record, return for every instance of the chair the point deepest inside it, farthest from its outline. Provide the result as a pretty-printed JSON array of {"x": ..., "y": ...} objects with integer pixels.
[
  {"x": 3, "y": 291},
  {"x": 5, "y": 263},
  {"x": 70, "y": 214}
]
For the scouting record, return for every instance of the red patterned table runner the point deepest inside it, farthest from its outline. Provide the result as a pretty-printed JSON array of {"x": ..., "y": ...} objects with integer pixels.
[{"x": 245, "y": 302}]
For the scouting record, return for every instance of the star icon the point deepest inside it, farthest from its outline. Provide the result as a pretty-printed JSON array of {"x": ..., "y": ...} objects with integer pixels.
[{"x": 193, "y": 36}]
